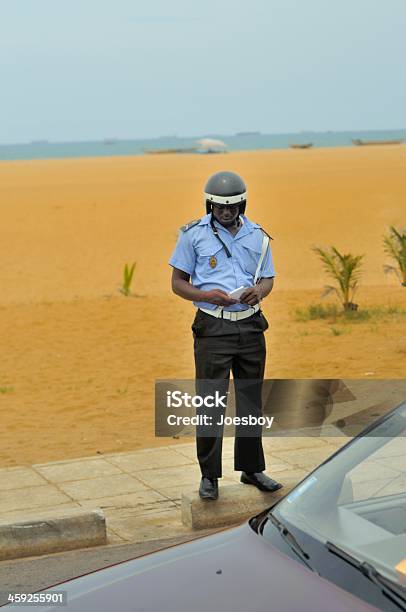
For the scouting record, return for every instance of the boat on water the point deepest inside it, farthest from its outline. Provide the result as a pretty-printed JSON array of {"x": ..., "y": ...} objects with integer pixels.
[
  {"x": 211, "y": 145},
  {"x": 306, "y": 145},
  {"x": 360, "y": 143},
  {"x": 204, "y": 145},
  {"x": 244, "y": 134},
  {"x": 169, "y": 151}
]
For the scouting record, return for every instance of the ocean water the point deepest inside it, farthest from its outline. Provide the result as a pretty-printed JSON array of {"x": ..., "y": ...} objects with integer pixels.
[{"x": 237, "y": 142}]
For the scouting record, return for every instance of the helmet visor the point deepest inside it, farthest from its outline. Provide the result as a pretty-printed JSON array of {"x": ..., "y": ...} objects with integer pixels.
[{"x": 235, "y": 199}]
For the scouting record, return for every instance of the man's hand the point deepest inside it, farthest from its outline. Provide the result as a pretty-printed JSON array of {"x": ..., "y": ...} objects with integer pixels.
[
  {"x": 181, "y": 286},
  {"x": 255, "y": 294},
  {"x": 252, "y": 296},
  {"x": 217, "y": 297}
]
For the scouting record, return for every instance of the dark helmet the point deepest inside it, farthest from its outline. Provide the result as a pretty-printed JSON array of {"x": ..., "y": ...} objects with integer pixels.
[{"x": 225, "y": 188}]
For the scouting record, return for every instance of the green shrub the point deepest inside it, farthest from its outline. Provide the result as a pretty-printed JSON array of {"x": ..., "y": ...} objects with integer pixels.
[
  {"x": 128, "y": 273},
  {"x": 345, "y": 270},
  {"x": 395, "y": 247},
  {"x": 317, "y": 311},
  {"x": 332, "y": 313}
]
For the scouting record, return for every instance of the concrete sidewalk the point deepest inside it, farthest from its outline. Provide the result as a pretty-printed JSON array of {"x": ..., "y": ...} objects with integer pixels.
[{"x": 140, "y": 492}]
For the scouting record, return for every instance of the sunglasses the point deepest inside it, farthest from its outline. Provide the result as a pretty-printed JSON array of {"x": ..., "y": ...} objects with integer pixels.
[{"x": 222, "y": 207}]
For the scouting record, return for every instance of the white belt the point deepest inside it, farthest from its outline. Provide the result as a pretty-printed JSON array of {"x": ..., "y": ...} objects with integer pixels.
[{"x": 220, "y": 313}]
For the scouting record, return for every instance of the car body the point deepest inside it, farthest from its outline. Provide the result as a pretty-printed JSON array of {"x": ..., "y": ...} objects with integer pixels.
[{"x": 337, "y": 541}]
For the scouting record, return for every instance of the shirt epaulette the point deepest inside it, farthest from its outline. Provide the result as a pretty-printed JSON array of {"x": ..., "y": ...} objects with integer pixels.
[
  {"x": 266, "y": 233},
  {"x": 187, "y": 226}
]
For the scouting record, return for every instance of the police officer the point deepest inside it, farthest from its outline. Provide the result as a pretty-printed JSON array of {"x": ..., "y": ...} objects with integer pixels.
[{"x": 215, "y": 255}]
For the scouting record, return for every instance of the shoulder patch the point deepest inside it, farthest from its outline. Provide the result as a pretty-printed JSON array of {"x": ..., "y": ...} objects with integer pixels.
[{"x": 187, "y": 226}]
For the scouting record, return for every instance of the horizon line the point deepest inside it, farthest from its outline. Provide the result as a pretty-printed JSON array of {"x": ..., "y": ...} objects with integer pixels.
[{"x": 241, "y": 133}]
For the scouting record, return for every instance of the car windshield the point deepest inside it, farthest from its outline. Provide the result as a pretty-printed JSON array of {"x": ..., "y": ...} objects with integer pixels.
[{"x": 357, "y": 499}]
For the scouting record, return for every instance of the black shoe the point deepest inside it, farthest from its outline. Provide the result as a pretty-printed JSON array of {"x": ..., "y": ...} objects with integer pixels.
[
  {"x": 209, "y": 488},
  {"x": 261, "y": 481}
]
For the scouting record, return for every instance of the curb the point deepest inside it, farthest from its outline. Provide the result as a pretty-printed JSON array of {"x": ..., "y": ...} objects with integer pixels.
[
  {"x": 235, "y": 504},
  {"x": 52, "y": 532}
]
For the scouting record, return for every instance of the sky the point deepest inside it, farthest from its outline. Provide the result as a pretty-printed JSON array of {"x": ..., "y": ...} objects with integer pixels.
[{"x": 90, "y": 69}]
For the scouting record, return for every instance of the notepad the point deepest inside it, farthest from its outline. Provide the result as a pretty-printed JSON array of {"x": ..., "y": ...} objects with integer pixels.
[{"x": 237, "y": 293}]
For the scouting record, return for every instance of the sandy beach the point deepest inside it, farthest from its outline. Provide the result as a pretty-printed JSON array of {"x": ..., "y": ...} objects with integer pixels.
[{"x": 79, "y": 360}]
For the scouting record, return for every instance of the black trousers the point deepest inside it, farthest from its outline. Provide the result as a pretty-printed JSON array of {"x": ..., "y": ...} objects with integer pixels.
[{"x": 221, "y": 346}]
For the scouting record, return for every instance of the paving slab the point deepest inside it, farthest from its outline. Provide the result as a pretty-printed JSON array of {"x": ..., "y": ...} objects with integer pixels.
[
  {"x": 134, "y": 527},
  {"x": 188, "y": 451},
  {"x": 142, "y": 501},
  {"x": 32, "y": 497},
  {"x": 148, "y": 459},
  {"x": 19, "y": 515},
  {"x": 109, "y": 485},
  {"x": 112, "y": 538},
  {"x": 274, "y": 464},
  {"x": 302, "y": 458},
  {"x": 76, "y": 470},
  {"x": 176, "y": 475},
  {"x": 174, "y": 493},
  {"x": 292, "y": 443},
  {"x": 17, "y": 478}
]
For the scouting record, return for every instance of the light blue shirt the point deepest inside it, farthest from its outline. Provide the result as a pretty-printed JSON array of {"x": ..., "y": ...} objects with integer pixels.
[{"x": 200, "y": 254}]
